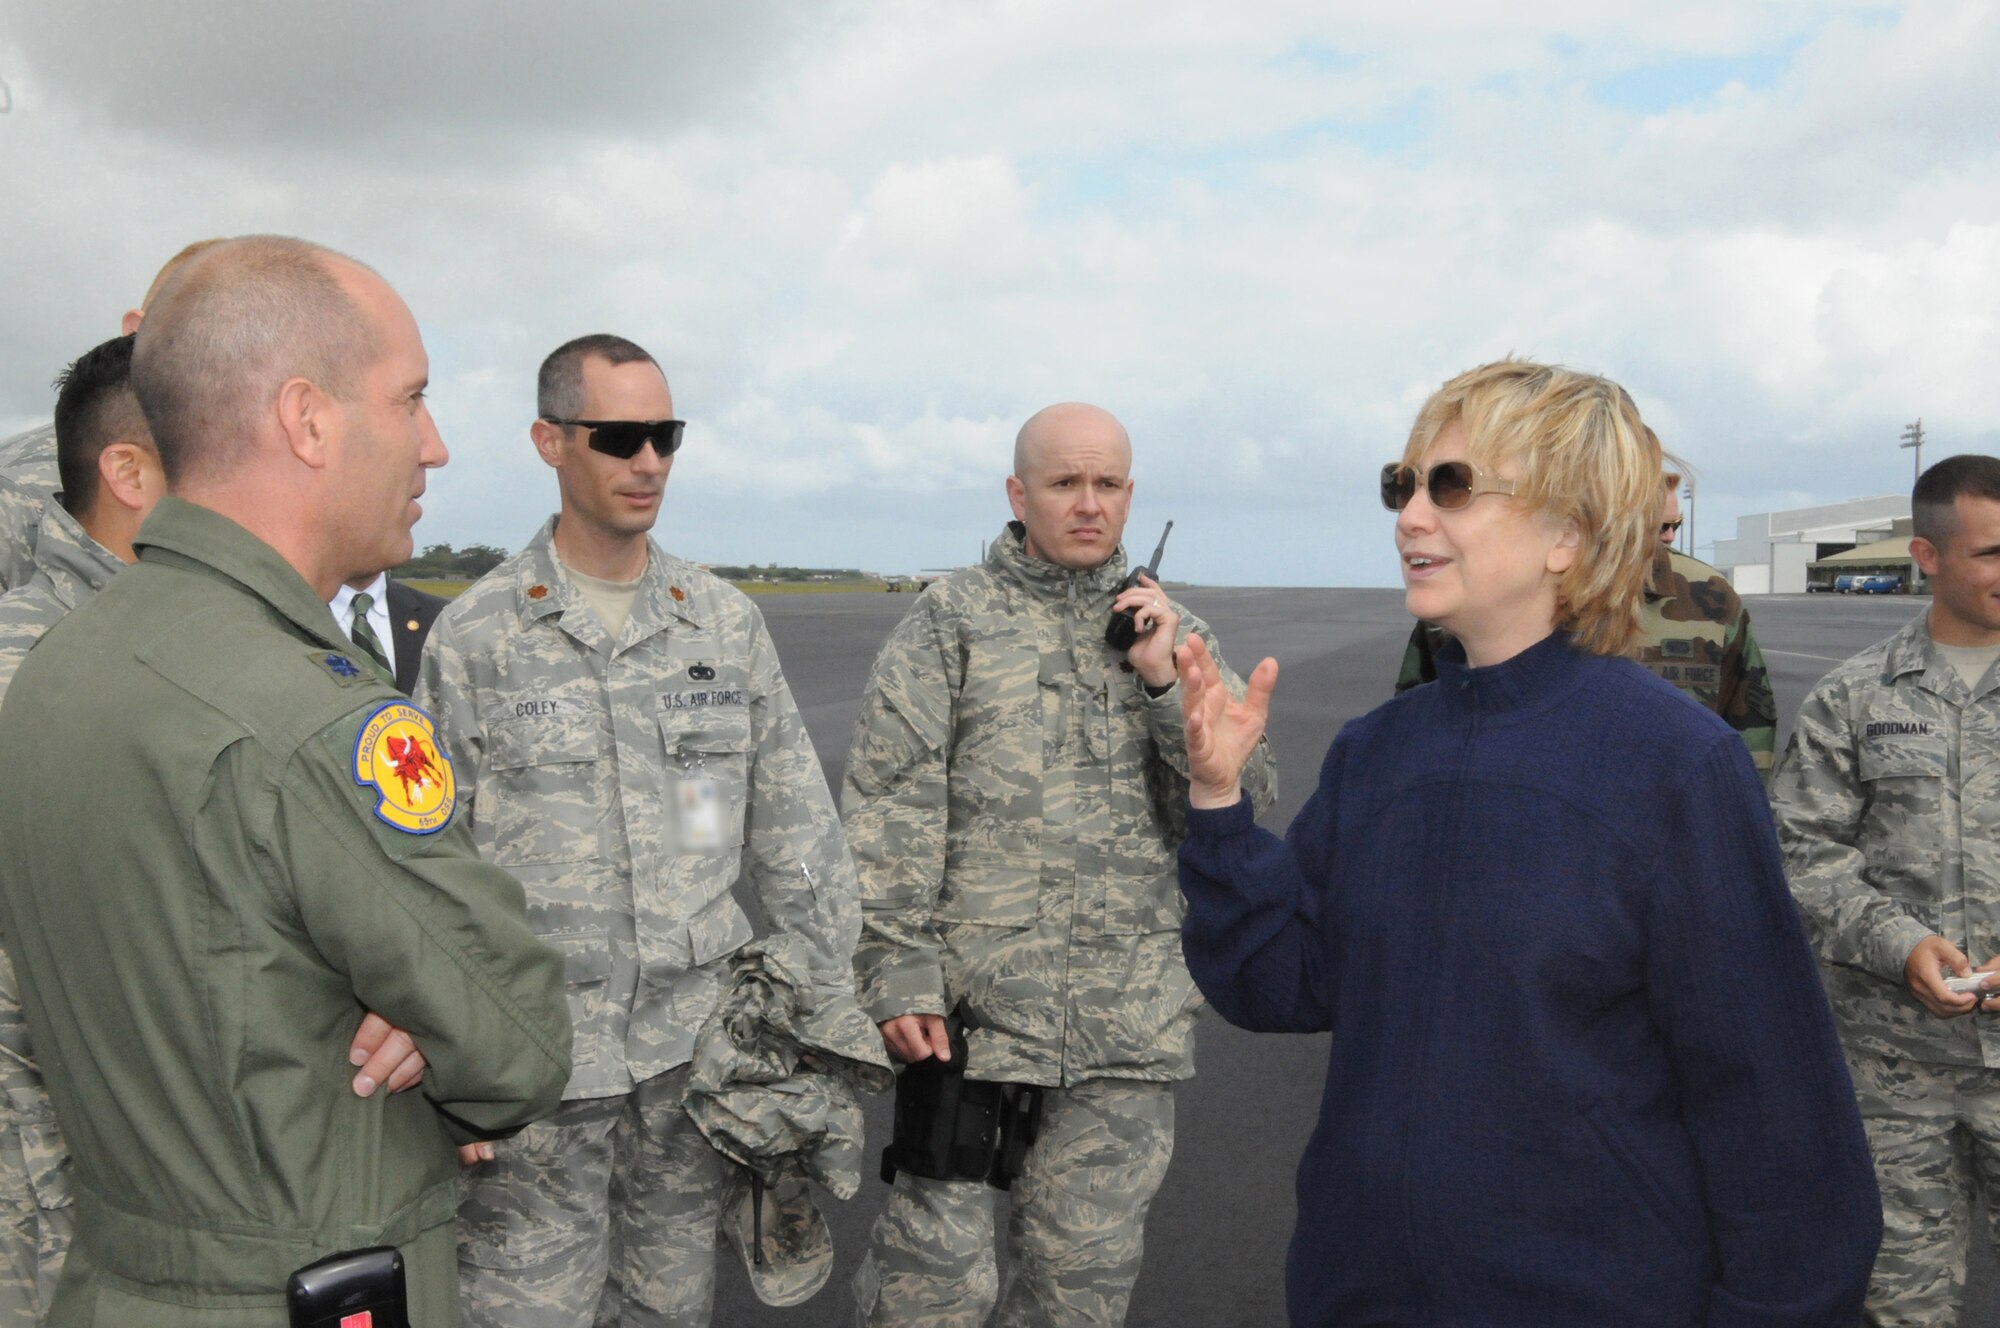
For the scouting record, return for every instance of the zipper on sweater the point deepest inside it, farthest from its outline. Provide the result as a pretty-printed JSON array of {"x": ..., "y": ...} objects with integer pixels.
[{"x": 1429, "y": 998}]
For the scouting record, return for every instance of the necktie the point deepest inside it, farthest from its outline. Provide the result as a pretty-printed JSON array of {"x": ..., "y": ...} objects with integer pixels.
[{"x": 364, "y": 636}]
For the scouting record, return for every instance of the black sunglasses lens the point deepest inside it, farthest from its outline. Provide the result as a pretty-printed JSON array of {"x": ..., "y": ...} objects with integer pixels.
[
  {"x": 1399, "y": 485},
  {"x": 624, "y": 438},
  {"x": 1451, "y": 485}
]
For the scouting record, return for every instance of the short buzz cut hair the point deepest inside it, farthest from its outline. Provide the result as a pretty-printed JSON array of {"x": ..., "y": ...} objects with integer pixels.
[
  {"x": 559, "y": 385},
  {"x": 228, "y": 329},
  {"x": 173, "y": 265},
  {"x": 1934, "y": 502},
  {"x": 95, "y": 407}
]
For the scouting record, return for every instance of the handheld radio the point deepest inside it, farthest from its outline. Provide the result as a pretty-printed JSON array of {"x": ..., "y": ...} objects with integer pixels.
[{"x": 1123, "y": 628}]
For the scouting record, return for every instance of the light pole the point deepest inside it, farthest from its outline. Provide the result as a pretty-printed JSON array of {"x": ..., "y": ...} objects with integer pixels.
[
  {"x": 1913, "y": 436},
  {"x": 1688, "y": 495}
]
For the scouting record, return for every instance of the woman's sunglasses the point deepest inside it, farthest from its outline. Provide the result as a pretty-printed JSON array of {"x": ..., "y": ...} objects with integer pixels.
[{"x": 1450, "y": 484}]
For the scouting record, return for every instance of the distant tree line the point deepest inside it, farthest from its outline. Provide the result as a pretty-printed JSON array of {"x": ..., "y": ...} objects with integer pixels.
[
  {"x": 773, "y": 572},
  {"x": 441, "y": 562}
]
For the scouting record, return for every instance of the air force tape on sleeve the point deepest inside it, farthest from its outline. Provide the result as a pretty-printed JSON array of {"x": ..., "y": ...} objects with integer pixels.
[{"x": 397, "y": 755}]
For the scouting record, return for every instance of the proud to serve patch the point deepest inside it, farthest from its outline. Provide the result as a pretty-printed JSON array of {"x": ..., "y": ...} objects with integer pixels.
[{"x": 398, "y": 756}]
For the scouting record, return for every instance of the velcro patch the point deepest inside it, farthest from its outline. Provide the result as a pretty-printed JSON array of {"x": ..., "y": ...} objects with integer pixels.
[
  {"x": 397, "y": 755},
  {"x": 339, "y": 667}
]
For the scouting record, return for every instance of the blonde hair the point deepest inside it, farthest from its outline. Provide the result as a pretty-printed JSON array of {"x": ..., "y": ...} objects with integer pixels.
[{"x": 1579, "y": 453}]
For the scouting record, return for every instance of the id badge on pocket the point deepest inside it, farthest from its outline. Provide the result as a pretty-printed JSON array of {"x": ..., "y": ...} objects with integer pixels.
[{"x": 698, "y": 815}]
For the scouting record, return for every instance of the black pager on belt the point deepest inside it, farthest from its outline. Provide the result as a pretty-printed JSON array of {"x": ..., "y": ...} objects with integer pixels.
[{"x": 358, "y": 1289}]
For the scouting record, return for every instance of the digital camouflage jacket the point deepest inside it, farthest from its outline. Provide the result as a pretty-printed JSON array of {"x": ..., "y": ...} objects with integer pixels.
[
  {"x": 1696, "y": 635},
  {"x": 581, "y": 761},
  {"x": 1014, "y": 800},
  {"x": 70, "y": 568},
  {"x": 27, "y": 479},
  {"x": 1888, "y": 810}
]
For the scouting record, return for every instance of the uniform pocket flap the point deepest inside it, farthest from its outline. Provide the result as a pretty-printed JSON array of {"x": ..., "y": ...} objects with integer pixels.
[
  {"x": 992, "y": 892},
  {"x": 705, "y": 730},
  {"x": 1915, "y": 756},
  {"x": 719, "y": 929},
  {"x": 518, "y": 744},
  {"x": 586, "y": 955}
]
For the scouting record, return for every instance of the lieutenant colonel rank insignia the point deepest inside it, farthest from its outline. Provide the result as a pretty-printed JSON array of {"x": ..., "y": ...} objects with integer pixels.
[{"x": 398, "y": 756}]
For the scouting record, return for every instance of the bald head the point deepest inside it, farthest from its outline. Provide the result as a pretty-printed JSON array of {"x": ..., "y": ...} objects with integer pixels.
[
  {"x": 133, "y": 317},
  {"x": 1072, "y": 484},
  {"x": 1053, "y": 428},
  {"x": 229, "y": 327}
]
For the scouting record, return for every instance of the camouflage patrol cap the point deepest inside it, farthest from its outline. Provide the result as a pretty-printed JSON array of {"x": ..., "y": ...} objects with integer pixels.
[{"x": 789, "y": 1253}]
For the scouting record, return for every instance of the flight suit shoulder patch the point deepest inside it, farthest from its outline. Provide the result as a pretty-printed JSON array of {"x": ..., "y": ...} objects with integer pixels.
[{"x": 396, "y": 753}]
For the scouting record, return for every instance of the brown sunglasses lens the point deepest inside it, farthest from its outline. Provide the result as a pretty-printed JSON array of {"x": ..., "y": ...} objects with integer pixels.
[
  {"x": 1399, "y": 485},
  {"x": 1449, "y": 484}
]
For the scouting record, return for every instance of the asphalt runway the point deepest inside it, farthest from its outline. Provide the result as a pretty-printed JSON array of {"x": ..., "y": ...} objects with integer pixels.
[{"x": 1216, "y": 1236}]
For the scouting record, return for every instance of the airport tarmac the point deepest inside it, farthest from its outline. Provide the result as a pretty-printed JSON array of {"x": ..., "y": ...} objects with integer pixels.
[{"x": 1217, "y": 1233}]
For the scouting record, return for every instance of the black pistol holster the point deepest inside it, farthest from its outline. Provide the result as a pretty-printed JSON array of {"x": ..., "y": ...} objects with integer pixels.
[{"x": 949, "y": 1127}]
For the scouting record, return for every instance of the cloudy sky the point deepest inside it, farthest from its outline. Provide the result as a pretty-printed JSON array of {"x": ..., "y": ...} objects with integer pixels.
[{"x": 868, "y": 239}]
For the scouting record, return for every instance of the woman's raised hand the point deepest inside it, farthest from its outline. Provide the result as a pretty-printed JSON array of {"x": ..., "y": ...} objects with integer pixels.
[{"x": 1221, "y": 730}]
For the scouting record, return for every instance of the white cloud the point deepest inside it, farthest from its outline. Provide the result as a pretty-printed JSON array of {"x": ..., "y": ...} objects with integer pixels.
[{"x": 868, "y": 241}]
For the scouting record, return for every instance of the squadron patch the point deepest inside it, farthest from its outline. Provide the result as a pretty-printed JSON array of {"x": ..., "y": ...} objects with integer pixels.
[{"x": 397, "y": 754}]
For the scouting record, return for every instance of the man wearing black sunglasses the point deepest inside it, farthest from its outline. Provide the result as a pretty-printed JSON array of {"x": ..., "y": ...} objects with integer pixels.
[
  {"x": 1696, "y": 631},
  {"x": 626, "y": 745}
]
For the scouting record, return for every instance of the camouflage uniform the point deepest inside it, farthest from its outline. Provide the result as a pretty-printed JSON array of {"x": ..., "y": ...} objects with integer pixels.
[
  {"x": 1888, "y": 808},
  {"x": 35, "y": 1204},
  {"x": 1695, "y": 634},
  {"x": 27, "y": 478},
  {"x": 1014, "y": 798},
  {"x": 579, "y": 758}
]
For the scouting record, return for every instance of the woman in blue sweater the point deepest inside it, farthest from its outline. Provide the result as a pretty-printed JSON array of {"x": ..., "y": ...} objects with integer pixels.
[{"x": 1582, "y": 1069}]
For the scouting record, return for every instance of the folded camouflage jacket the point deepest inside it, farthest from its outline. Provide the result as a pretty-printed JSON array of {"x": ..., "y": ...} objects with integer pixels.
[{"x": 1013, "y": 800}]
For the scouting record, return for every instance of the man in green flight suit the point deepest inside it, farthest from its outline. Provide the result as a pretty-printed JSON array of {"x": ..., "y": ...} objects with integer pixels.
[{"x": 272, "y": 887}]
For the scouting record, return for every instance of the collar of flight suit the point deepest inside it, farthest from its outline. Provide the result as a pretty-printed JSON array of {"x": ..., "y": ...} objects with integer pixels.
[
  {"x": 190, "y": 533},
  {"x": 652, "y": 609},
  {"x": 76, "y": 565}
]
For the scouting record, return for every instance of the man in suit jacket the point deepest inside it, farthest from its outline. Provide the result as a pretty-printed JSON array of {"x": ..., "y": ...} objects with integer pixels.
[{"x": 399, "y": 617}]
